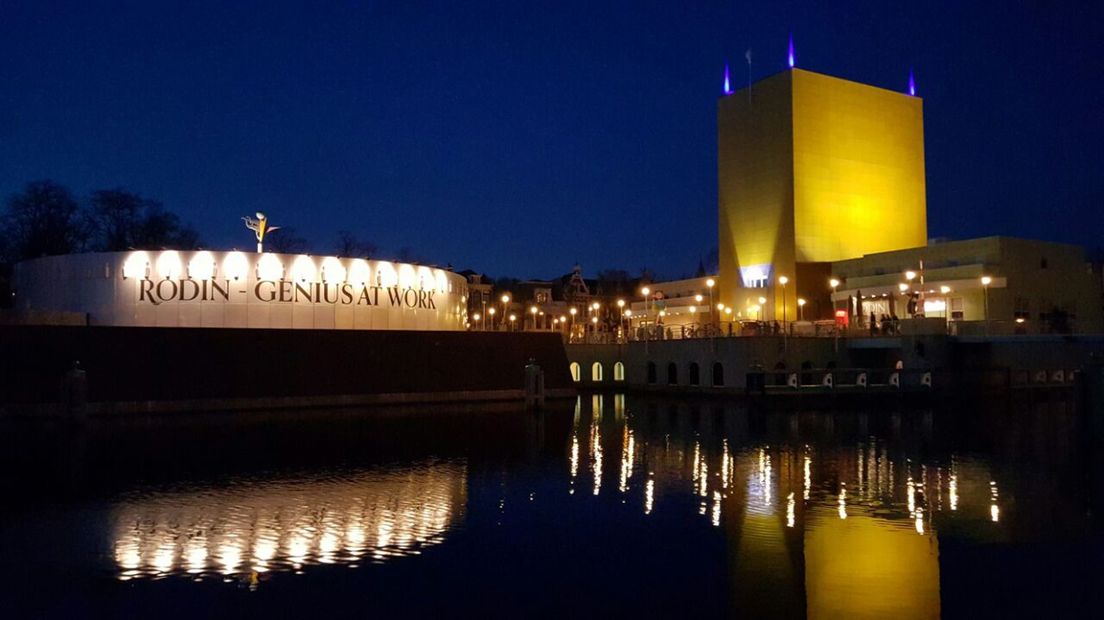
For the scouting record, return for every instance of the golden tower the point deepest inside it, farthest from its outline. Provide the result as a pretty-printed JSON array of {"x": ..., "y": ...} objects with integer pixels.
[{"x": 813, "y": 169}]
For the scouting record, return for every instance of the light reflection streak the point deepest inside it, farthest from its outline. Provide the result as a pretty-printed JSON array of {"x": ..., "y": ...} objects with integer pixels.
[
  {"x": 288, "y": 524},
  {"x": 843, "y": 500},
  {"x": 649, "y": 496},
  {"x": 994, "y": 509},
  {"x": 790, "y": 505}
]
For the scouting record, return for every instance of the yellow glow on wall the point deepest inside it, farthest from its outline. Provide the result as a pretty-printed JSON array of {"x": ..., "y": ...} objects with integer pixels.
[
  {"x": 441, "y": 281},
  {"x": 858, "y": 167},
  {"x": 136, "y": 265},
  {"x": 333, "y": 272},
  {"x": 407, "y": 276},
  {"x": 235, "y": 266},
  {"x": 302, "y": 270},
  {"x": 386, "y": 275},
  {"x": 269, "y": 267},
  {"x": 426, "y": 280},
  {"x": 169, "y": 264},
  {"x": 201, "y": 266},
  {"x": 358, "y": 272}
]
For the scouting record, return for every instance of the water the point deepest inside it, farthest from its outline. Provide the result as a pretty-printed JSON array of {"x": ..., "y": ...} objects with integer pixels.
[{"x": 610, "y": 506}]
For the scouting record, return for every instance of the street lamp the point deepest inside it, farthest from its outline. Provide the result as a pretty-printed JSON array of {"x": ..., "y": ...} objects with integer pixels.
[
  {"x": 513, "y": 319},
  {"x": 490, "y": 311},
  {"x": 709, "y": 284},
  {"x": 476, "y": 318},
  {"x": 533, "y": 311},
  {"x": 783, "y": 280},
  {"x": 910, "y": 275},
  {"x": 800, "y": 309},
  {"x": 985, "y": 282},
  {"x": 944, "y": 290},
  {"x": 505, "y": 300},
  {"x": 902, "y": 287}
]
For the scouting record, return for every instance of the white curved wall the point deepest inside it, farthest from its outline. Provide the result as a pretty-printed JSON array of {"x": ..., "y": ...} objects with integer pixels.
[{"x": 242, "y": 289}]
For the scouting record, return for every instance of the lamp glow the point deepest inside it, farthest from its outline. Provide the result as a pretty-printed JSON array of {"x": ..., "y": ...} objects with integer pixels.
[
  {"x": 762, "y": 300},
  {"x": 710, "y": 282},
  {"x": 333, "y": 272},
  {"x": 235, "y": 265},
  {"x": 800, "y": 301},
  {"x": 944, "y": 289},
  {"x": 169, "y": 265},
  {"x": 783, "y": 280},
  {"x": 628, "y": 313},
  {"x": 720, "y": 306},
  {"x": 903, "y": 287},
  {"x": 407, "y": 276},
  {"x": 386, "y": 274},
  {"x": 505, "y": 299},
  {"x": 986, "y": 280},
  {"x": 646, "y": 291},
  {"x": 833, "y": 282},
  {"x": 202, "y": 266},
  {"x": 136, "y": 265},
  {"x": 909, "y": 275},
  {"x": 573, "y": 311},
  {"x": 270, "y": 268},
  {"x": 359, "y": 273},
  {"x": 620, "y": 303},
  {"x": 302, "y": 270},
  {"x": 698, "y": 298}
]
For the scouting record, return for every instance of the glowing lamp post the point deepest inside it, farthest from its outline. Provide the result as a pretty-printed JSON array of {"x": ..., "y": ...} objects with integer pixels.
[
  {"x": 783, "y": 280},
  {"x": 709, "y": 284},
  {"x": 533, "y": 310},
  {"x": 621, "y": 321},
  {"x": 505, "y": 300},
  {"x": 513, "y": 321},
  {"x": 985, "y": 282},
  {"x": 476, "y": 317},
  {"x": 946, "y": 302},
  {"x": 490, "y": 311},
  {"x": 762, "y": 306},
  {"x": 800, "y": 309}
]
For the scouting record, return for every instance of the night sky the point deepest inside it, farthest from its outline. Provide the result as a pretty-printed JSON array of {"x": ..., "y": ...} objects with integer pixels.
[{"x": 518, "y": 138}]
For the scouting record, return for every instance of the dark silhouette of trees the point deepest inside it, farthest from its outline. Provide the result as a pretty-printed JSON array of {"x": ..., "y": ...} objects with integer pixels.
[
  {"x": 42, "y": 220},
  {"x": 349, "y": 245},
  {"x": 119, "y": 220},
  {"x": 285, "y": 241}
]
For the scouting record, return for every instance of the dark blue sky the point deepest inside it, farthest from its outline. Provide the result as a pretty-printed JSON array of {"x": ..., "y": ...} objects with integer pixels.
[{"x": 520, "y": 137}]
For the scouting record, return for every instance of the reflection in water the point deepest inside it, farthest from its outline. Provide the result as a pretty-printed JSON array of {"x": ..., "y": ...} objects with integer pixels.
[
  {"x": 286, "y": 524},
  {"x": 850, "y": 530}
]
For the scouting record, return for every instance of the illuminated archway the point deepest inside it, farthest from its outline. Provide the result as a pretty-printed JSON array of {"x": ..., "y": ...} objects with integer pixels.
[
  {"x": 618, "y": 372},
  {"x": 576, "y": 372},
  {"x": 596, "y": 372}
]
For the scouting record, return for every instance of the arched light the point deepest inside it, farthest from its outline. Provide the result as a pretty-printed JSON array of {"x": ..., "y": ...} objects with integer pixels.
[
  {"x": 169, "y": 265},
  {"x": 359, "y": 273},
  {"x": 386, "y": 275},
  {"x": 407, "y": 276},
  {"x": 442, "y": 281},
  {"x": 235, "y": 266},
  {"x": 302, "y": 270},
  {"x": 202, "y": 266},
  {"x": 136, "y": 265},
  {"x": 270, "y": 268},
  {"x": 333, "y": 272}
]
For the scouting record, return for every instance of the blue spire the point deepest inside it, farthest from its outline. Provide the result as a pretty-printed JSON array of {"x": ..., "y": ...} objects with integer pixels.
[
  {"x": 791, "y": 56},
  {"x": 912, "y": 84},
  {"x": 727, "y": 83}
]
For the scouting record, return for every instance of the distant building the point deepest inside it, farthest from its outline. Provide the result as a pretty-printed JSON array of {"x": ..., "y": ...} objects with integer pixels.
[{"x": 1034, "y": 286}]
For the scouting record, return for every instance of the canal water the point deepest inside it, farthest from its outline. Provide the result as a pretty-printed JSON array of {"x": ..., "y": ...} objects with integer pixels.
[{"x": 607, "y": 506}]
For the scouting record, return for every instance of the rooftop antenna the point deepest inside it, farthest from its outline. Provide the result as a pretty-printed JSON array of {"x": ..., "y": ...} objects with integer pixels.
[
  {"x": 747, "y": 55},
  {"x": 911, "y": 84},
  {"x": 791, "y": 55}
]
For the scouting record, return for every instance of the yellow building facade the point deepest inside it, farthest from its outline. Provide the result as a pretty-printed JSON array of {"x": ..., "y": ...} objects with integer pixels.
[{"x": 813, "y": 169}]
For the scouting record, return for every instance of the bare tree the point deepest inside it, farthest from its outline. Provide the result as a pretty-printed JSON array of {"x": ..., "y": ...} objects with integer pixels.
[
  {"x": 42, "y": 220},
  {"x": 348, "y": 245},
  {"x": 285, "y": 241}
]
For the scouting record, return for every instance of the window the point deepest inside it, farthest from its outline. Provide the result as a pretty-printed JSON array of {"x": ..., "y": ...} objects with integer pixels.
[
  {"x": 672, "y": 374},
  {"x": 618, "y": 372},
  {"x": 596, "y": 372},
  {"x": 695, "y": 374},
  {"x": 718, "y": 374},
  {"x": 651, "y": 372},
  {"x": 576, "y": 372}
]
